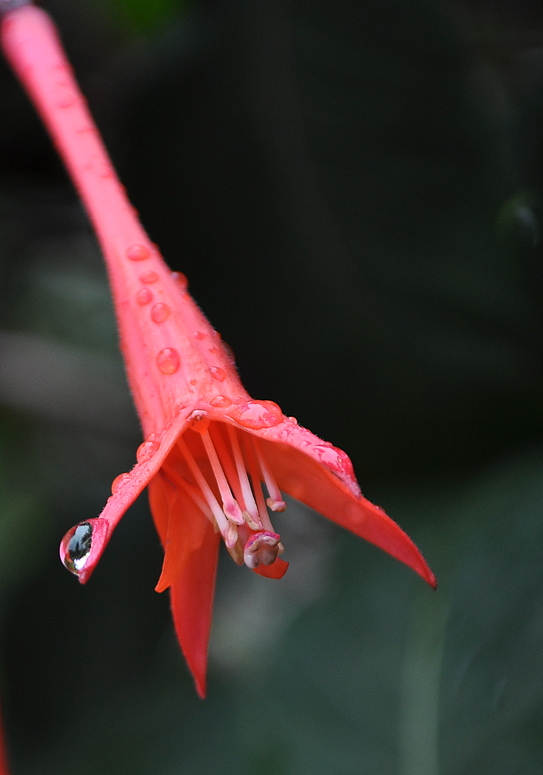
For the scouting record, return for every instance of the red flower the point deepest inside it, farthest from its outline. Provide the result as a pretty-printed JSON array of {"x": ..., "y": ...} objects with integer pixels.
[{"x": 209, "y": 449}]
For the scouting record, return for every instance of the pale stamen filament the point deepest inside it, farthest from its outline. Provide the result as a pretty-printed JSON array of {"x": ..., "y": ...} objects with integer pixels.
[
  {"x": 192, "y": 491},
  {"x": 251, "y": 509},
  {"x": 226, "y": 459},
  {"x": 228, "y": 530},
  {"x": 275, "y": 501},
  {"x": 230, "y": 506},
  {"x": 254, "y": 472}
]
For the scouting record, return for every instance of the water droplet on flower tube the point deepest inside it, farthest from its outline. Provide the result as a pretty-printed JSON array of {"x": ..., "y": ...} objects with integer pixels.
[
  {"x": 220, "y": 402},
  {"x": 199, "y": 335},
  {"x": 181, "y": 280},
  {"x": 213, "y": 350},
  {"x": 65, "y": 102},
  {"x": 144, "y": 296},
  {"x": 119, "y": 481},
  {"x": 148, "y": 277},
  {"x": 257, "y": 414},
  {"x": 137, "y": 252},
  {"x": 160, "y": 312},
  {"x": 76, "y": 546},
  {"x": 218, "y": 373},
  {"x": 168, "y": 360},
  {"x": 146, "y": 450}
]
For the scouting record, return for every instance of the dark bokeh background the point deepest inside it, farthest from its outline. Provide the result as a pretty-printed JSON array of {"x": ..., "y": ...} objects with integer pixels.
[{"x": 354, "y": 190}]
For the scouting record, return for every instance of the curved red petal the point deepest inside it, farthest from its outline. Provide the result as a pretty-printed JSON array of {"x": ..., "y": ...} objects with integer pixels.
[
  {"x": 190, "y": 563},
  {"x": 192, "y": 606},
  {"x": 305, "y": 478},
  {"x": 274, "y": 571}
]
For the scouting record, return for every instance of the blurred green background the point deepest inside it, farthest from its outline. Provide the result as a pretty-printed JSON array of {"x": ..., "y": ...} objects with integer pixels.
[{"x": 354, "y": 190}]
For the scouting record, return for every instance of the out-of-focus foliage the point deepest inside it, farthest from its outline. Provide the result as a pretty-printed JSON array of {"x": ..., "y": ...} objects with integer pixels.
[{"x": 354, "y": 190}]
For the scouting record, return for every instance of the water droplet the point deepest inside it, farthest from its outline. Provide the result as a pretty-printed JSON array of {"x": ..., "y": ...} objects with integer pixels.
[
  {"x": 199, "y": 421},
  {"x": 160, "y": 312},
  {"x": 65, "y": 102},
  {"x": 168, "y": 360},
  {"x": 214, "y": 350},
  {"x": 146, "y": 450},
  {"x": 148, "y": 277},
  {"x": 181, "y": 280},
  {"x": 193, "y": 381},
  {"x": 199, "y": 335},
  {"x": 220, "y": 402},
  {"x": 218, "y": 373},
  {"x": 293, "y": 420},
  {"x": 144, "y": 296},
  {"x": 229, "y": 353},
  {"x": 119, "y": 481},
  {"x": 137, "y": 252},
  {"x": 257, "y": 414},
  {"x": 76, "y": 546}
]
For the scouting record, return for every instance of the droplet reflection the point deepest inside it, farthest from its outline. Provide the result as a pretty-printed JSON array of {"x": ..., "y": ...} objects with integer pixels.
[{"x": 76, "y": 547}]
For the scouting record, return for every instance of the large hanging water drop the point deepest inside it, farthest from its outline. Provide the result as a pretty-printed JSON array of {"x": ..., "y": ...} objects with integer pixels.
[{"x": 76, "y": 546}]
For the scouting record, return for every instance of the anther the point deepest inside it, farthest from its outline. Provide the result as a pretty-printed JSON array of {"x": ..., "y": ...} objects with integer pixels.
[{"x": 275, "y": 501}]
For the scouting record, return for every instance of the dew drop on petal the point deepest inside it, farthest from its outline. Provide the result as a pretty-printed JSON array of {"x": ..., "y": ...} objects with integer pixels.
[
  {"x": 160, "y": 312},
  {"x": 199, "y": 335},
  {"x": 146, "y": 450},
  {"x": 148, "y": 277},
  {"x": 220, "y": 402},
  {"x": 213, "y": 350},
  {"x": 218, "y": 373},
  {"x": 258, "y": 414},
  {"x": 118, "y": 482},
  {"x": 168, "y": 360},
  {"x": 144, "y": 296},
  {"x": 76, "y": 546},
  {"x": 181, "y": 280},
  {"x": 137, "y": 252}
]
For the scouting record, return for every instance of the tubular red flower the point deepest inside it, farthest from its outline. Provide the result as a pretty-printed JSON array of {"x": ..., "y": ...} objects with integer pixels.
[{"x": 209, "y": 448}]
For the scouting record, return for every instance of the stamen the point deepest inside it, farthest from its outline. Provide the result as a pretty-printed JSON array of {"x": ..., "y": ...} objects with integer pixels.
[
  {"x": 251, "y": 509},
  {"x": 254, "y": 472},
  {"x": 191, "y": 490},
  {"x": 224, "y": 453},
  {"x": 230, "y": 505},
  {"x": 275, "y": 501},
  {"x": 227, "y": 529}
]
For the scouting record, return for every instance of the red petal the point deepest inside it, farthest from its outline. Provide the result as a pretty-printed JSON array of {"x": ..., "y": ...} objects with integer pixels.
[
  {"x": 192, "y": 606},
  {"x": 311, "y": 482},
  {"x": 191, "y": 550},
  {"x": 274, "y": 571}
]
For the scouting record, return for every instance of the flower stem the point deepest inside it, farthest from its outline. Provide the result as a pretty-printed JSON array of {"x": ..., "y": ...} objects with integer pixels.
[{"x": 32, "y": 46}]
